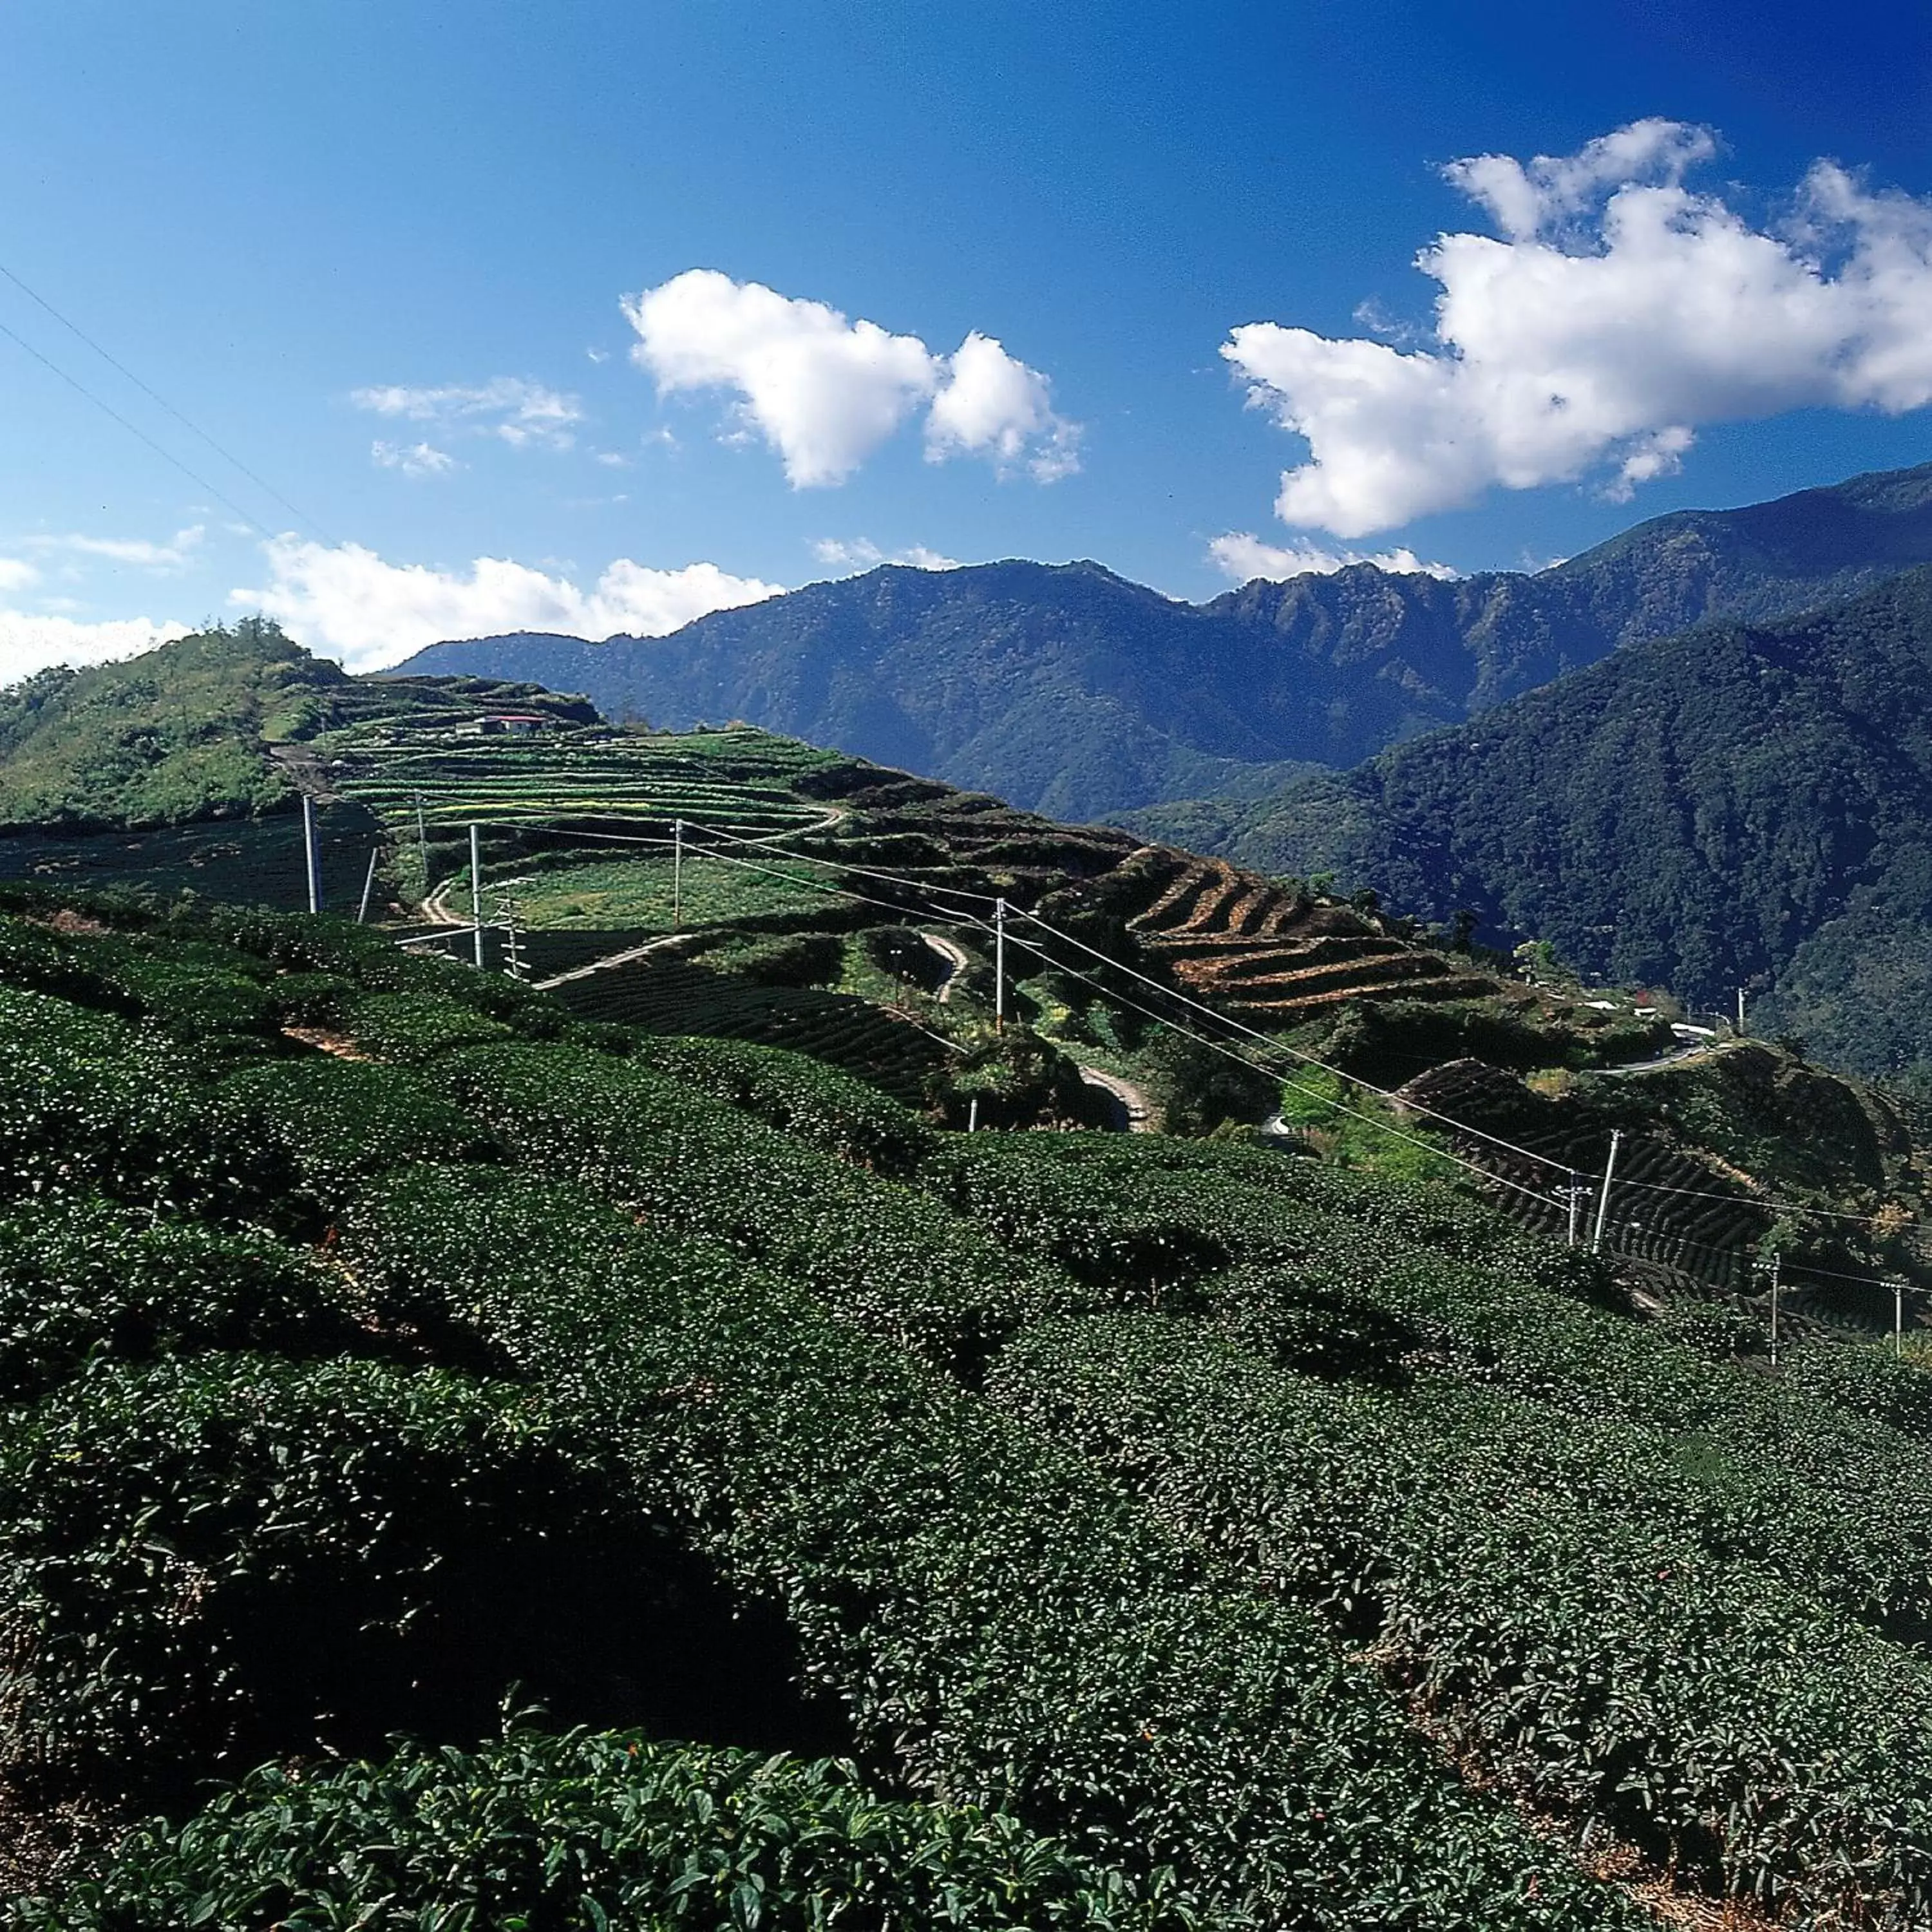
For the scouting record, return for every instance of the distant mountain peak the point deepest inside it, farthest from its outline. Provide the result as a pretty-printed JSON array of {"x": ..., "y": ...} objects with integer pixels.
[{"x": 1073, "y": 691}]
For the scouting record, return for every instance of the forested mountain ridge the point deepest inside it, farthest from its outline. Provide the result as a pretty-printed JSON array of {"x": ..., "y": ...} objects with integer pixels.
[
  {"x": 1740, "y": 805},
  {"x": 1069, "y": 691}
]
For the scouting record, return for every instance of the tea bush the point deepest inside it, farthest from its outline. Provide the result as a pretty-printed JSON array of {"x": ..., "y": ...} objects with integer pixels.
[
  {"x": 590, "y": 1831},
  {"x": 999, "y": 1626}
]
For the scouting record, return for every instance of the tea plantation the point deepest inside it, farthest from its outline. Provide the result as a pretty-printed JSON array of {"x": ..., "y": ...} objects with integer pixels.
[{"x": 463, "y": 1465}]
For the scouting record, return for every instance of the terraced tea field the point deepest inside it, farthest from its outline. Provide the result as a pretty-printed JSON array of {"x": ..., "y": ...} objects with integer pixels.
[
  {"x": 672, "y": 996},
  {"x": 1273, "y": 958},
  {"x": 625, "y": 894},
  {"x": 740, "y": 780},
  {"x": 242, "y": 861}
]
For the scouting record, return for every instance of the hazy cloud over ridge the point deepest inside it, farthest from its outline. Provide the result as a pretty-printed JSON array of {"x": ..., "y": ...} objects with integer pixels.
[
  {"x": 350, "y": 603},
  {"x": 29, "y": 643},
  {"x": 1617, "y": 309},
  {"x": 1243, "y": 556},
  {"x": 825, "y": 392}
]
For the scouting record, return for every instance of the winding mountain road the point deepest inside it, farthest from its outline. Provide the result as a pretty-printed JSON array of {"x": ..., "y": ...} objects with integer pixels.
[{"x": 953, "y": 954}]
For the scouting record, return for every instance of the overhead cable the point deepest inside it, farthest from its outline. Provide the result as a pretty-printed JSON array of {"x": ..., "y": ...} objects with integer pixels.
[{"x": 154, "y": 396}]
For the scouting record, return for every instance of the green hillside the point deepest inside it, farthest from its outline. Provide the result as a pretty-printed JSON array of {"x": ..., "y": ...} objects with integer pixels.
[
  {"x": 838, "y": 910},
  {"x": 1155, "y": 1534},
  {"x": 189, "y": 732},
  {"x": 1071, "y": 691},
  {"x": 1737, "y": 806},
  {"x": 591, "y": 1441}
]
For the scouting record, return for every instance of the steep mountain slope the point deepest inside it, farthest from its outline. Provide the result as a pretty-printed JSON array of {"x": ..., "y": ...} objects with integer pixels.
[
  {"x": 1740, "y": 805},
  {"x": 1071, "y": 691}
]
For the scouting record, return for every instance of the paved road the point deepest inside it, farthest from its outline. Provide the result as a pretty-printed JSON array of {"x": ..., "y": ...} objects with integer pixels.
[
  {"x": 609, "y": 960},
  {"x": 954, "y": 956},
  {"x": 1692, "y": 1049}
]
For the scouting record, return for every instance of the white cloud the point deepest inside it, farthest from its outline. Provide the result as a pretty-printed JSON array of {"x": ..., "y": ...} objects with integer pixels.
[
  {"x": 992, "y": 405},
  {"x": 28, "y": 643},
  {"x": 16, "y": 574},
  {"x": 139, "y": 552},
  {"x": 862, "y": 554},
  {"x": 516, "y": 411},
  {"x": 825, "y": 392},
  {"x": 347, "y": 601},
  {"x": 1620, "y": 311},
  {"x": 1242, "y": 555},
  {"x": 413, "y": 459}
]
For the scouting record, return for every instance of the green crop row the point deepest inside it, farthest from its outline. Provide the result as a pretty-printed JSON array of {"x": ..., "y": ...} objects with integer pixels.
[
  {"x": 1353, "y": 1278},
  {"x": 1542, "y": 1592},
  {"x": 82, "y": 1279},
  {"x": 210, "y": 1559},
  {"x": 802, "y": 1097},
  {"x": 995, "y": 1623},
  {"x": 884, "y": 1256},
  {"x": 590, "y": 1831}
]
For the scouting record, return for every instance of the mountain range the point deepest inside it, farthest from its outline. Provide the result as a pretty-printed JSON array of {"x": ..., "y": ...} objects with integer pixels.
[
  {"x": 1069, "y": 691},
  {"x": 1738, "y": 805}
]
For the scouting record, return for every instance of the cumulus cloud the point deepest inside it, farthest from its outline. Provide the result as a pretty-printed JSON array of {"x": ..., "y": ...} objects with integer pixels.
[
  {"x": 16, "y": 574},
  {"x": 990, "y": 405},
  {"x": 510, "y": 408},
  {"x": 1616, "y": 310},
  {"x": 411, "y": 459},
  {"x": 30, "y": 642},
  {"x": 138, "y": 552},
  {"x": 861, "y": 554},
  {"x": 1242, "y": 556},
  {"x": 349, "y": 602},
  {"x": 825, "y": 392}
]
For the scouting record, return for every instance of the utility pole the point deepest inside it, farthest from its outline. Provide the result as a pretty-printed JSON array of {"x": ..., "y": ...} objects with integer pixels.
[
  {"x": 677, "y": 873},
  {"x": 999, "y": 965},
  {"x": 368, "y": 887},
  {"x": 1574, "y": 1193},
  {"x": 1777, "y": 1279},
  {"x": 973, "y": 1115},
  {"x": 1898, "y": 1319},
  {"x": 476, "y": 891},
  {"x": 422, "y": 845},
  {"x": 1741, "y": 1012},
  {"x": 311, "y": 856},
  {"x": 1604, "y": 1199}
]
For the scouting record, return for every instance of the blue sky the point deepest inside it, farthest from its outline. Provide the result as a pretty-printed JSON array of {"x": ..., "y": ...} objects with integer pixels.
[{"x": 381, "y": 252}]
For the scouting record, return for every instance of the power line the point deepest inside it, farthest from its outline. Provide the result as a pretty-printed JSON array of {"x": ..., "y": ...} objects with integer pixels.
[
  {"x": 969, "y": 922},
  {"x": 166, "y": 456},
  {"x": 113, "y": 362},
  {"x": 954, "y": 919},
  {"x": 1268, "y": 1042},
  {"x": 1228, "y": 1052},
  {"x": 1277, "y": 1046},
  {"x": 861, "y": 871}
]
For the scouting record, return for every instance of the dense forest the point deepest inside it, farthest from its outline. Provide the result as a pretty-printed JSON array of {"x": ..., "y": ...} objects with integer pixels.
[{"x": 1740, "y": 805}]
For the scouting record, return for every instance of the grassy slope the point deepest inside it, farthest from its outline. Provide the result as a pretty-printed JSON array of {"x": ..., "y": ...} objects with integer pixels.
[
  {"x": 184, "y": 732},
  {"x": 160, "y": 739},
  {"x": 385, "y": 743}
]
